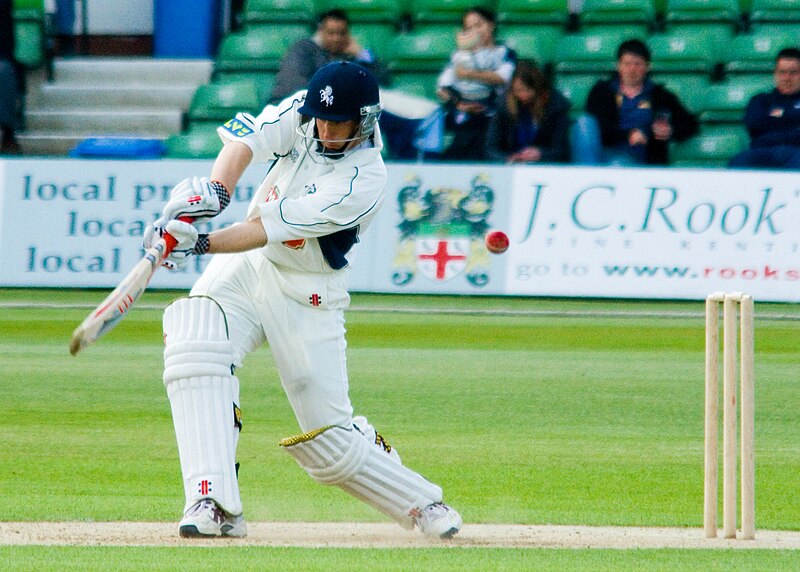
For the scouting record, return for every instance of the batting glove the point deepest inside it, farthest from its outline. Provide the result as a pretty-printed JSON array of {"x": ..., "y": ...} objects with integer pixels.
[
  {"x": 197, "y": 198},
  {"x": 189, "y": 241}
]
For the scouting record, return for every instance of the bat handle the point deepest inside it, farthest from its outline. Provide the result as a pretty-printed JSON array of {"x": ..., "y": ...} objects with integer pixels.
[{"x": 170, "y": 241}]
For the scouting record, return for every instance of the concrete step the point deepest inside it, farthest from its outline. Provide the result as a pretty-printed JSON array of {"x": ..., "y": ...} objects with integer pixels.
[
  {"x": 108, "y": 122},
  {"x": 58, "y": 96},
  {"x": 131, "y": 71},
  {"x": 48, "y": 144}
]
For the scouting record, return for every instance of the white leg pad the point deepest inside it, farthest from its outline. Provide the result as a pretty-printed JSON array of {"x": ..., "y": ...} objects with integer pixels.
[
  {"x": 345, "y": 458},
  {"x": 204, "y": 395}
]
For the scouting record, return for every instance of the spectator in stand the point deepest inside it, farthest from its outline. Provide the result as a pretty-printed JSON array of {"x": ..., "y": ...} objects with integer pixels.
[
  {"x": 630, "y": 120},
  {"x": 533, "y": 125},
  {"x": 473, "y": 83},
  {"x": 9, "y": 82},
  {"x": 331, "y": 42},
  {"x": 773, "y": 120}
]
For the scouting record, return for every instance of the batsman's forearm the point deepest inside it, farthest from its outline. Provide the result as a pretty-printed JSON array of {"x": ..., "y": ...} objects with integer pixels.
[
  {"x": 238, "y": 238},
  {"x": 231, "y": 163}
]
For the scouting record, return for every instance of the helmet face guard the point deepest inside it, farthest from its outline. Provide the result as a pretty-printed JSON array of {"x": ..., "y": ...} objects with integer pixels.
[{"x": 340, "y": 91}]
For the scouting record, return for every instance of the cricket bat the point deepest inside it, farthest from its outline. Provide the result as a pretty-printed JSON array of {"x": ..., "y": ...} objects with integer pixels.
[{"x": 115, "y": 307}]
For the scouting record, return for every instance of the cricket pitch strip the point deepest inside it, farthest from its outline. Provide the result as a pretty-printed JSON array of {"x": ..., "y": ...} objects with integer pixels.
[{"x": 384, "y": 535}]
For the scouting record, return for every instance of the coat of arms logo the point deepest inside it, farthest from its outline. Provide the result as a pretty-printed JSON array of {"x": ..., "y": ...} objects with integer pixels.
[{"x": 441, "y": 232}]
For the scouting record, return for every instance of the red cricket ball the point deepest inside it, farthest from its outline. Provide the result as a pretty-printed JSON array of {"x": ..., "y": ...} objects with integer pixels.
[{"x": 497, "y": 242}]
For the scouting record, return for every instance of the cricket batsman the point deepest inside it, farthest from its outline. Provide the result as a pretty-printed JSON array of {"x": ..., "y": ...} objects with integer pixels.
[{"x": 278, "y": 277}]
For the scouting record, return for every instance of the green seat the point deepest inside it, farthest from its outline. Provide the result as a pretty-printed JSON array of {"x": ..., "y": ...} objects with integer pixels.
[
  {"x": 775, "y": 11},
  {"x": 533, "y": 12},
  {"x": 426, "y": 49},
  {"x": 29, "y": 38},
  {"x": 276, "y": 11},
  {"x": 263, "y": 81},
  {"x": 712, "y": 147},
  {"x": 576, "y": 88},
  {"x": 790, "y": 28},
  {"x": 194, "y": 144},
  {"x": 536, "y": 43},
  {"x": 257, "y": 48},
  {"x": 422, "y": 84},
  {"x": 220, "y": 102},
  {"x": 688, "y": 51},
  {"x": 717, "y": 33},
  {"x": 690, "y": 88},
  {"x": 366, "y": 10},
  {"x": 440, "y": 11},
  {"x": 725, "y": 102},
  {"x": 37, "y": 5},
  {"x": 375, "y": 36},
  {"x": 590, "y": 52},
  {"x": 679, "y": 11},
  {"x": 756, "y": 51},
  {"x": 603, "y": 12}
]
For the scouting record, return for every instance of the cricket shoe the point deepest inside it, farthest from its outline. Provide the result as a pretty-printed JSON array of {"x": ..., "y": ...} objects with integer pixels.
[
  {"x": 437, "y": 520},
  {"x": 207, "y": 519}
]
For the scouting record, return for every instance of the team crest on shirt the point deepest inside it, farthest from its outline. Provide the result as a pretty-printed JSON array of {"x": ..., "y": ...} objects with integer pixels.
[
  {"x": 442, "y": 232},
  {"x": 310, "y": 189},
  {"x": 326, "y": 96}
]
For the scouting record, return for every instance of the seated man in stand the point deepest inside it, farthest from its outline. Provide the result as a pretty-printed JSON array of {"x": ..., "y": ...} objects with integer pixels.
[
  {"x": 630, "y": 119},
  {"x": 773, "y": 120},
  {"x": 331, "y": 42}
]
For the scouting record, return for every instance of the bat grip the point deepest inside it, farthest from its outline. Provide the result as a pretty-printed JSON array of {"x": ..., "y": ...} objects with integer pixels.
[{"x": 169, "y": 240}]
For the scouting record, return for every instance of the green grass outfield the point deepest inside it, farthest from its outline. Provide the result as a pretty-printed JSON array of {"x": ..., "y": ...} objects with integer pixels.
[{"x": 526, "y": 411}]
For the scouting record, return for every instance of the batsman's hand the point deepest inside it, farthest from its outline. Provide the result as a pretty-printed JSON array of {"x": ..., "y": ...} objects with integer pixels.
[
  {"x": 197, "y": 198},
  {"x": 185, "y": 235}
]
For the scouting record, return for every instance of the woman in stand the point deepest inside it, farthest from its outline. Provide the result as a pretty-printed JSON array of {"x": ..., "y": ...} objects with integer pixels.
[{"x": 533, "y": 124}]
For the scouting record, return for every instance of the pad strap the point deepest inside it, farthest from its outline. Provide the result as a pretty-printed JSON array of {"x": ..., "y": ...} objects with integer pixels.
[{"x": 344, "y": 457}]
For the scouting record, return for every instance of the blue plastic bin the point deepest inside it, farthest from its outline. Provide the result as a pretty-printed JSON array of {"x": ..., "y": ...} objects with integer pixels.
[{"x": 186, "y": 28}]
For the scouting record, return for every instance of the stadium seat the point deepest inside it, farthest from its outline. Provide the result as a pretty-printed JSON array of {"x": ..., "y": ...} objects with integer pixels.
[
  {"x": 220, "y": 102},
  {"x": 690, "y": 88},
  {"x": 720, "y": 20},
  {"x": 29, "y": 37},
  {"x": 377, "y": 37},
  {"x": 384, "y": 11},
  {"x": 257, "y": 47},
  {"x": 533, "y": 12},
  {"x": 576, "y": 88},
  {"x": 604, "y": 13},
  {"x": 426, "y": 49},
  {"x": 263, "y": 81},
  {"x": 712, "y": 147},
  {"x": 197, "y": 143},
  {"x": 441, "y": 11},
  {"x": 725, "y": 102},
  {"x": 683, "y": 11},
  {"x": 537, "y": 43},
  {"x": 756, "y": 51},
  {"x": 687, "y": 51},
  {"x": 422, "y": 84},
  {"x": 775, "y": 11},
  {"x": 279, "y": 11},
  {"x": 590, "y": 52}
]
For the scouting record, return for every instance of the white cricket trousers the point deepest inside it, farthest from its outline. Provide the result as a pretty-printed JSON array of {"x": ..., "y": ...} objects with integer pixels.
[{"x": 307, "y": 342}]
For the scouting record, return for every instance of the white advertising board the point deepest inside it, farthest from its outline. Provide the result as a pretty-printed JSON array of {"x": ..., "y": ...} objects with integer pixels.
[
  {"x": 588, "y": 232},
  {"x": 654, "y": 233}
]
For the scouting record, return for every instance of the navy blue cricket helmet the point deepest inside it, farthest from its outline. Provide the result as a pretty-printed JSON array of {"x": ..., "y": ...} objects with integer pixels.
[{"x": 344, "y": 91}]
